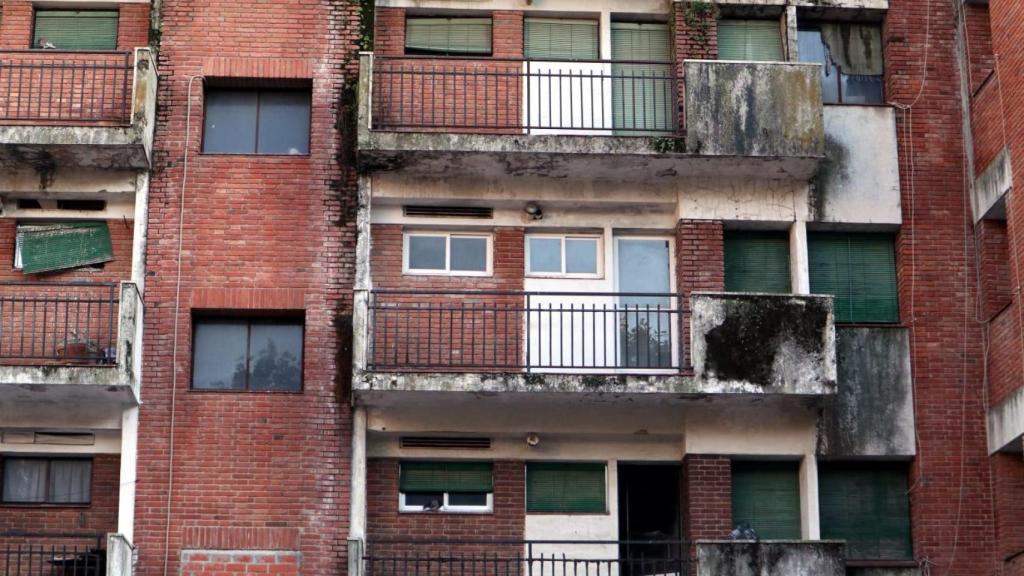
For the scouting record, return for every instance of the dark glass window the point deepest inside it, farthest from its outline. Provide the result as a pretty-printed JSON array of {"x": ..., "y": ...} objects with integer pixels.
[
  {"x": 850, "y": 55},
  {"x": 247, "y": 354},
  {"x": 47, "y": 480},
  {"x": 256, "y": 121}
]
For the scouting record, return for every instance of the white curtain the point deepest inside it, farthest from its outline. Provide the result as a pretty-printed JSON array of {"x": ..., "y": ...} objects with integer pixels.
[
  {"x": 69, "y": 481},
  {"x": 24, "y": 480}
]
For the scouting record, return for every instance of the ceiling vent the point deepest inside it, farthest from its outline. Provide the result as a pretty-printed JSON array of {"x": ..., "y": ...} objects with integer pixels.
[
  {"x": 65, "y": 438},
  {"x": 446, "y": 442},
  {"x": 449, "y": 212}
]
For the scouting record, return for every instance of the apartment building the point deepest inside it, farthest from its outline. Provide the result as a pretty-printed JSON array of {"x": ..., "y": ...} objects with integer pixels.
[
  {"x": 77, "y": 114},
  {"x": 991, "y": 65},
  {"x": 634, "y": 275}
]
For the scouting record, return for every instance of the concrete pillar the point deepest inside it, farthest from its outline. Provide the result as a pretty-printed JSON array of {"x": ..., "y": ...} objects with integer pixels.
[
  {"x": 129, "y": 450},
  {"x": 363, "y": 280},
  {"x": 357, "y": 497},
  {"x": 798, "y": 259},
  {"x": 792, "y": 32},
  {"x": 606, "y": 36},
  {"x": 810, "y": 523}
]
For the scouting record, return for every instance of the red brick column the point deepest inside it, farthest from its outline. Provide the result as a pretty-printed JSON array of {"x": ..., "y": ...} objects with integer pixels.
[
  {"x": 695, "y": 38},
  {"x": 16, "y": 24},
  {"x": 389, "y": 31},
  {"x": 706, "y": 499},
  {"x": 507, "y": 34},
  {"x": 132, "y": 26},
  {"x": 700, "y": 265}
]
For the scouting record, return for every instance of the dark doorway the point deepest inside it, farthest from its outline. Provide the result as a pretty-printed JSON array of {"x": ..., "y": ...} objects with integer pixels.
[{"x": 649, "y": 519}]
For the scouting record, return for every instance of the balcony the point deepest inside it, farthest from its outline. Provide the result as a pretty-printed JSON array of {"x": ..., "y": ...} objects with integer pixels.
[
  {"x": 63, "y": 554},
  {"x": 88, "y": 109},
  {"x": 622, "y": 343},
  {"x": 598, "y": 119},
  {"x": 68, "y": 342},
  {"x": 771, "y": 558}
]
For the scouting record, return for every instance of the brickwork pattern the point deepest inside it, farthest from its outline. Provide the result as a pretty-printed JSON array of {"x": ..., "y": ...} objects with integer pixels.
[
  {"x": 222, "y": 563},
  {"x": 700, "y": 264}
]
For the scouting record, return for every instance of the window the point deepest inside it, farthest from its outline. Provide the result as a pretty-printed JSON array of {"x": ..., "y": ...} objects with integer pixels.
[
  {"x": 643, "y": 95},
  {"x": 757, "y": 40},
  {"x": 553, "y": 39},
  {"x": 572, "y": 256},
  {"x": 766, "y": 497},
  {"x": 75, "y": 30},
  {"x": 851, "y": 60},
  {"x": 454, "y": 254},
  {"x": 256, "y": 121},
  {"x": 757, "y": 262},
  {"x": 859, "y": 269},
  {"x": 867, "y": 505},
  {"x": 565, "y": 488},
  {"x": 255, "y": 354},
  {"x": 42, "y": 248},
  {"x": 448, "y": 36},
  {"x": 47, "y": 480},
  {"x": 446, "y": 487}
]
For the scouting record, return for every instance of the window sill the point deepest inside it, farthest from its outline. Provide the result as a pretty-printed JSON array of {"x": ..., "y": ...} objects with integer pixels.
[
  {"x": 287, "y": 392},
  {"x": 606, "y": 513},
  {"x": 448, "y": 512},
  {"x": 448, "y": 274},
  {"x": 252, "y": 155},
  {"x": 48, "y": 505}
]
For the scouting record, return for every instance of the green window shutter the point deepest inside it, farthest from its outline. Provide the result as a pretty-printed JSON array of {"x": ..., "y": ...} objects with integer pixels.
[
  {"x": 757, "y": 40},
  {"x": 643, "y": 95},
  {"x": 766, "y": 496},
  {"x": 60, "y": 246},
  {"x": 76, "y": 29},
  {"x": 757, "y": 262},
  {"x": 859, "y": 269},
  {"x": 560, "y": 39},
  {"x": 566, "y": 488},
  {"x": 475, "y": 477},
  {"x": 468, "y": 36},
  {"x": 867, "y": 505}
]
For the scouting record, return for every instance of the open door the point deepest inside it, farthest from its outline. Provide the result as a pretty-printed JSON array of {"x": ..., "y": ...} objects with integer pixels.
[{"x": 649, "y": 520}]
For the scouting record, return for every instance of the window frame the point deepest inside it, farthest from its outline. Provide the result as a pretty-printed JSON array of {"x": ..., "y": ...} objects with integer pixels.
[
  {"x": 47, "y": 502},
  {"x": 34, "y": 41},
  {"x": 406, "y": 51},
  {"x": 258, "y": 90},
  {"x": 599, "y": 256},
  {"x": 407, "y": 269},
  {"x": 445, "y": 506},
  {"x": 284, "y": 320},
  {"x": 606, "y": 508},
  {"x": 815, "y": 25}
]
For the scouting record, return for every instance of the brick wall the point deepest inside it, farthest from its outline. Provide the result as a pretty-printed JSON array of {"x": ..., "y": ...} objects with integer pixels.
[
  {"x": 951, "y": 511},
  {"x": 1008, "y": 470},
  {"x": 17, "y": 18},
  {"x": 698, "y": 41},
  {"x": 221, "y": 563},
  {"x": 700, "y": 263},
  {"x": 261, "y": 233},
  {"x": 706, "y": 499},
  {"x": 100, "y": 515}
]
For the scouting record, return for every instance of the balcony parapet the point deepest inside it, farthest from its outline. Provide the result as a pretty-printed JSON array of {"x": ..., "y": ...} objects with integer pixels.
[
  {"x": 89, "y": 109},
  {"x": 771, "y": 558}
]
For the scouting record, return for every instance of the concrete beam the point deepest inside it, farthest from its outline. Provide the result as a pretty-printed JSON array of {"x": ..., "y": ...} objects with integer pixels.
[{"x": 1006, "y": 424}]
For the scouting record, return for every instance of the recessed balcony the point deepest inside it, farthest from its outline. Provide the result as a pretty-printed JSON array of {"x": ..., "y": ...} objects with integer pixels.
[{"x": 85, "y": 109}]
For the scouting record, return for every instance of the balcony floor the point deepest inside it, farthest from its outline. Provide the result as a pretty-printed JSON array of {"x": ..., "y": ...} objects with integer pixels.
[{"x": 48, "y": 147}]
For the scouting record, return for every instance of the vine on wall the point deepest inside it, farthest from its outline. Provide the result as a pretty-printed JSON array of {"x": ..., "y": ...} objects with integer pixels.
[{"x": 698, "y": 15}]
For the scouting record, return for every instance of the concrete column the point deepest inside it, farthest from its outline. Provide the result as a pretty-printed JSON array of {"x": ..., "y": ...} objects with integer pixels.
[
  {"x": 792, "y": 32},
  {"x": 798, "y": 260},
  {"x": 139, "y": 233},
  {"x": 606, "y": 36},
  {"x": 363, "y": 279},
  {"x": 129, "y": 448},
  {"x": 810, "y": 524},
  {"x": 357, "y": 497}
]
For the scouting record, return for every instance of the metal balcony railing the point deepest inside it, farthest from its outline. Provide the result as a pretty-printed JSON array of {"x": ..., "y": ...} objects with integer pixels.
[
  {"x": 515, "y": 96},
  {"x": 526, "y": 558},
  {"x": 58, "y": 323},
  {"x": 524, "y": 331},
  {"x": 48, "y": 86},
  {"x": 52, "y": 554}
]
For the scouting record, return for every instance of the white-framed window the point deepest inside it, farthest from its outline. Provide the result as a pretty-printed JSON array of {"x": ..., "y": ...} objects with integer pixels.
[
  {"x": 447, "y": 254},
  {"x": 570, "y": 256},
  {"x": 437, "y": 486}
]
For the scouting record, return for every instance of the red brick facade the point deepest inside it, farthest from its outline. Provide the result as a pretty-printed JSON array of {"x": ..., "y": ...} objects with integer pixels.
[
  {"x": 220, "y": 563},
  {"x": 262, "y": 235},
  {"x": 700, "y": 262}
]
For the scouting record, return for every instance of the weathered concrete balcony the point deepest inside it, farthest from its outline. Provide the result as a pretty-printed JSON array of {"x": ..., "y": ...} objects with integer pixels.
[
  {"x": 73, "y": 344},
  {"x": 581, "y": 342},
  {"x": 88, "y": 109},
  {"x": 771, "y": 558},
  {"x": 599, "y": 119}
]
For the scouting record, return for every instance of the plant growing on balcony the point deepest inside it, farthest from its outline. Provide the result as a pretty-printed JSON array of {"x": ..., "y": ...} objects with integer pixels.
[{"x": 698, "y": 16}]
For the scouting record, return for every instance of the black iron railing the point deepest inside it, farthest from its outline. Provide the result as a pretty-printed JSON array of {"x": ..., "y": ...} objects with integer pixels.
[
  {"x": 514, "y": 331},
  {"x": 49, "y": 86},
  {"x": 43, "y": 554},
  {"x": 58, "y": 322},
  {"x": 497, "y": 95},
  {"x": 526, "y": 558}
]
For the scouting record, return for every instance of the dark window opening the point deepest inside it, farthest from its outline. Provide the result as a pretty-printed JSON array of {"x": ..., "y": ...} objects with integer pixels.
[
  {"x": 256, "y": 121},
  {"x": 247, "y": 354},
  {"x": 47, "y": 480},
  {"x": 84, "y": 205},
  {"x": 851, "y": 60}
]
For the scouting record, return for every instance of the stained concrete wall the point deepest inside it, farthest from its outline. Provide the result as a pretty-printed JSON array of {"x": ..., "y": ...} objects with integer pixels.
[
  {"x": 771, "y": 558},
  {"x": 991, "y": 187},
  {"x": 762, "y": 109},
  {"x": 872, "y": 413},
  {"x": 763, "y": 343}
]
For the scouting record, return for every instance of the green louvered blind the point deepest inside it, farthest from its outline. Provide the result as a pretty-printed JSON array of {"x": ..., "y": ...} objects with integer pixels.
[
  {"x": 566, "y": 488},
  {"x": 551, "y": 39},
  {"x": 766, "y": 496},
  {"x": 475, "y": 477},
  {"x": 867, "y": 505},
  {"x": 449, "y": 36},
  {"x": 643, "y": 95},
  {"x": 757, "y": 40},
  {"x": 76, "y": 29},
  {"x": 52, "y": 247},
  {"x": 859, "y": 269},
  {"x": 757, "y": 262}
]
